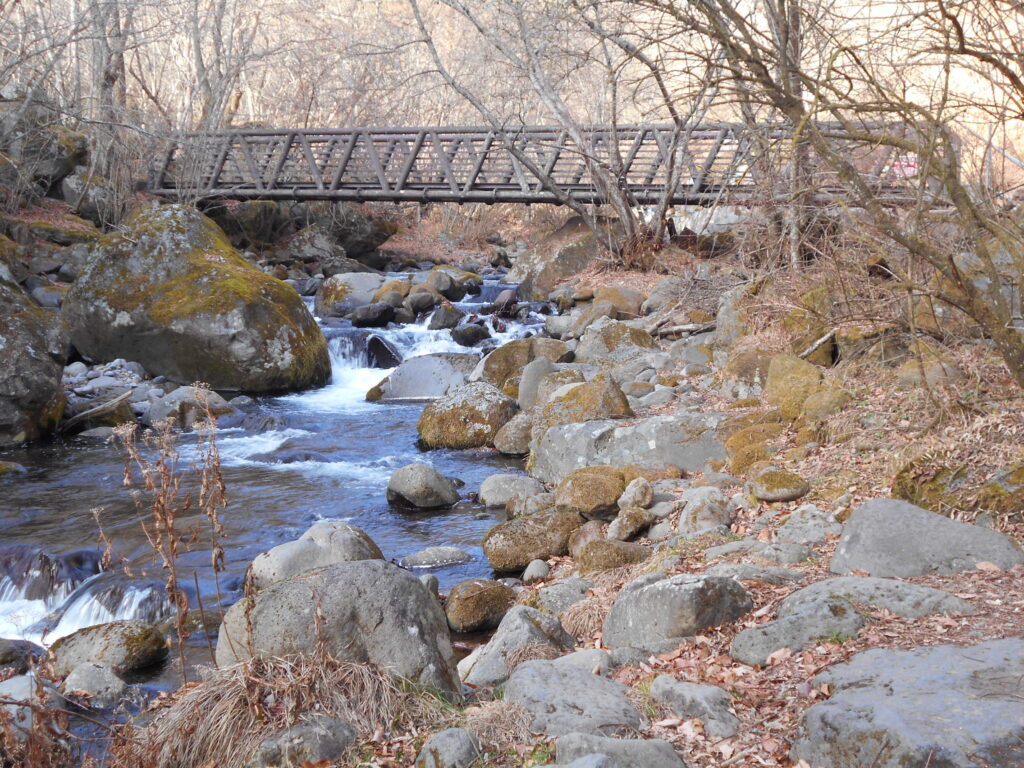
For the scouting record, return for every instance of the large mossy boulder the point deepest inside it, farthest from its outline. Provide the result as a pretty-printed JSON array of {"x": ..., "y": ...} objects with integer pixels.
[
  {"x": 591, "y": 491},
  {"x": 599, "y": 398},
  {"x": 510, "y": 359},
  {"x": 32, "y": 349},
  {"x": 368, "y": 611},
  {"x": 171, "y": 293},
  {"x": 465, "y": 417}
]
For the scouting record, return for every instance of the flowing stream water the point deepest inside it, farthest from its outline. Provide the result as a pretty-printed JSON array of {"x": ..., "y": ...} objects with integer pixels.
[{"x": 327, "y": 454}]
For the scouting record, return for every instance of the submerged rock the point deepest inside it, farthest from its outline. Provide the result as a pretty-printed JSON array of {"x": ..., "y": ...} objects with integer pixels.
[
  {"x": 171, "y": 293},
  {"x": 421, "y": 486}
]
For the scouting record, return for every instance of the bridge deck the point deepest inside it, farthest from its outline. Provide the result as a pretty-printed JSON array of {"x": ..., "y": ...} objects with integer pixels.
[{"x": 475, "y": 165}]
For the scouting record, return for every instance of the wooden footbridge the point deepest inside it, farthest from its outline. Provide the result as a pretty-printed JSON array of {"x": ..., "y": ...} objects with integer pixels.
[{"x": 701, "y": 166}]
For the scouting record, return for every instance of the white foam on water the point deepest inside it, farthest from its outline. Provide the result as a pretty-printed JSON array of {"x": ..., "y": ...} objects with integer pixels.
[
  {"x": 18, "y": 617},
  {"x": 88, "y": 611}
]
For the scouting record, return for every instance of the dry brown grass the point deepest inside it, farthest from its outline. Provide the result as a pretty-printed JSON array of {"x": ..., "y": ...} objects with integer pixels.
[
  {"x": 498, "y": 723},
  {"x": 222, "y": 719}
]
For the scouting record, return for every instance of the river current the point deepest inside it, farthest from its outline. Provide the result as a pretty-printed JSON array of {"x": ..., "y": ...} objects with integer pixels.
[{"x": 326, "y": 455}]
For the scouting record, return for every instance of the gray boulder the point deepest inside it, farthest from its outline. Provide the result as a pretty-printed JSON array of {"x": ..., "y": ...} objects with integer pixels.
[
  {"x": 100, "y": 684},
  {"x": 435, "y": 557},
  {"x": 186, "y": 406},
  {"x": 707, "y": 702},
  {"x": 638, "y": 494},
  {"x": 537, "y": 570},
  {"x": 683, "y": 439},
  {"x": 886, "y": 537},
  {"x": 592, "y": 660},
  {"x": 522, "y": 627},
  {"x": 124, "y": 645},
  {"x": 496, "y": 490},
  {"x": 20, "y": 695},
  {"x": 654, "y": 612},
  {"x": 609, "y": 343},
  {"x": 529, "y": 380},
  {"x": 627, "y": 753},
  {"x": 832, "y": 618},
  {"x": 559, "y": 596},
  {"x": 17, "y": 656},
  {"x": 425, "y": 377},
  {"x": 341, "y": 294},
  {"x": 451, "y": 748},
  {"x": 899, "y": 597},
  {"x": 747, "y": 572},
  {"x": 376, "y": 315},
  {"x": 33, "y": 350},
  {"x": 593, "y": 761},
  {"x": 366, "y": 611},
  {"x": 323, "y": 544},
  {"x": 566, "y": 699},
  {"x": 809, "y": 525},
  {"x": 421, "y": 486},
  {"x": 946, "y": 705},
  {"x": 446, "y": 316},
  {"x": 703, "y": 507},
  {"x": 665, "y": 293},
  {"x": 318, "y": 737}
]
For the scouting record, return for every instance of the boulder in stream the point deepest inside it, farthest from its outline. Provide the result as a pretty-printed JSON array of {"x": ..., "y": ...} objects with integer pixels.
[{"x": 171, "y": 293}]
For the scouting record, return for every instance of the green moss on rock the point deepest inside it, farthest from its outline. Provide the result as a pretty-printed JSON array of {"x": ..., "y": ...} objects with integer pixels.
[{"x": 171, "y": 293}]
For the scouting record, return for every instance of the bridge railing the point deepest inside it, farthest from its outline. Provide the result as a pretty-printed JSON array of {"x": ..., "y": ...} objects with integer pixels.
[{"x": 699, "y": 166}]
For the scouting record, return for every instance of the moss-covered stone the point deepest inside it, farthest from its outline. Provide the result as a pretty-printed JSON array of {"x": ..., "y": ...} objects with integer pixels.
[
  {"x": 747, "y": 456},
  {"x": 773, "y": 484},
  {"x": 513, "y": 545},
  {"x": 626, "y": 300},
  {"x": 599, "y": 398},
  {"x": 790, "y": 382},
  {"x": 402, "y": 287},
  {"x": 605, "y": 554},
  {"x": 745, "y": 373},
  {"x": 126, "y": 645},
  {"x": 172, "y": 294},
  {"x": 63, "y": 229},
  {"x": 824, "y": 403},
  {"x": 608, "y": 343},
  {"x": 933, "y": 480},
  {"x": 511, "y": 387},
  {"x": 733, "y": 424},
  {"x": 631, "y": 472},
  {"x": 477, "y": 604},
  {"x": 591, "y": 491},
  {"x": 806, "y": 323},
  {"x": 510, "y": 359},
  {"x": 752, "y": 435},
  {"x": 466, "y": 417}
]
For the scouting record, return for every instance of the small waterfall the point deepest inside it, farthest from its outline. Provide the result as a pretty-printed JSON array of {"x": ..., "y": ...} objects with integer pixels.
[
  {"x": 108, "y": 597},
  {"x": 45, "y": 596}
]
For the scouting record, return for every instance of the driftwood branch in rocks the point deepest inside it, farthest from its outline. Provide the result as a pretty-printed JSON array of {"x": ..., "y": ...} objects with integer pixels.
[
  {"x": 818, "y": 344},
  {"x": 110, "y": 406},
  {"x": 674, "y": 330}
]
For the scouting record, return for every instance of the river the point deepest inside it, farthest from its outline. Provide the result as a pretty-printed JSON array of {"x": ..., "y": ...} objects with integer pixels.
[{"x": 326, "y": 455}]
